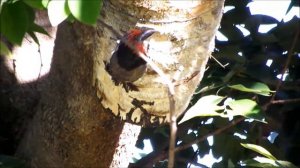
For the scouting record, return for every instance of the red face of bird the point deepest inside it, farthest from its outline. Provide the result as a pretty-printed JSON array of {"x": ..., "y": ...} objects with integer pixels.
[{"x": 135, "y": 37}]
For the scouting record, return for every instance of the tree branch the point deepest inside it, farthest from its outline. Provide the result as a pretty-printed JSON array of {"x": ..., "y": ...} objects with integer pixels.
[
  {"x": 173, "y": 128},
  {"x": 171, "y": 93},
  {"x": 218, "y": 131},
  {"x": 286, "y": 65},
  {"x": 156, "y": 156},
  {"x": 184, "y": 160},
  {"x": 285, "y": 101}
]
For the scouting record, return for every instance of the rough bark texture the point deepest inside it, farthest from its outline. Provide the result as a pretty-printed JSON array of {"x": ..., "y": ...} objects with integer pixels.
[
  {"x": 181, "y": 49},
  {"x": 125, "y": 150},
  {"x": 74, "y": 126},
  {"x": 70, "y": 129}
]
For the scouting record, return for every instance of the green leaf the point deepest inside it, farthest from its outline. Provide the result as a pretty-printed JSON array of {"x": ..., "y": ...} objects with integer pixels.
[
  {"x": 36, "y": 28},
  {"x": 256, "y": 87},
  {"x": 245, "y": 107},
  {"x": 285, "y": 31},
  {"x": 205, "y": 106},
  {"x": 162, "y": 130},
  {"x": 253, "y": 22},
  {"x": 232, "y": 32},
  {"x": 16, "y": 18},
  {"x": 260, "y": 162},
  {"x": 45, "y": 3},
  {"x": 259, "y": 150},
  {"x": 4, "y": 50},
  {"x": 31, "y": 15},
  {"x": 237, "y": 15},
  {"x": 38, "y": 4},
  {"x": 86, "y": 11},
  {"x": 267, "y": 163},
  {"x": 33, "y": 36},
  {"x": 58, "y": 11},
  {"x": 266, "y": 38},
  {"x": 293, "y": 3},
  {"x": 1, "y": 4},
  {"x": 230, "y": 52},
  {"x": 283, "y": 163}
]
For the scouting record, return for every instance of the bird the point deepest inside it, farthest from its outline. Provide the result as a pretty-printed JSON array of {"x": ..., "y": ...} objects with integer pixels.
[{"x": 125, "y": 64}]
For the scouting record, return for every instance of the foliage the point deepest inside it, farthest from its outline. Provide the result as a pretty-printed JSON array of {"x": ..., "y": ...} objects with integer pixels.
[
  {"x": 17, "y": 17},
  {"x": 246, "y": 87}
]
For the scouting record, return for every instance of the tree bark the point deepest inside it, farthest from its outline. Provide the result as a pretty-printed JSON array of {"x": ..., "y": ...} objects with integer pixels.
[
  {"x": 70, "y": 129},
  {"x": 181, "y": 49},
  {"x": 75, "y": 124}
]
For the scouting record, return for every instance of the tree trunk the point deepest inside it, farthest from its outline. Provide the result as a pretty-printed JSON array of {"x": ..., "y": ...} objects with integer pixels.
[
  {"x": 181, "y": 49},
  {"x": 75, "y": 124},
  {"x": 70, "y": 129}
]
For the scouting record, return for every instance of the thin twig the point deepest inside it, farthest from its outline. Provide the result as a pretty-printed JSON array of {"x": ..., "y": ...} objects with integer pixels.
[
  {"x": 218, "y": 131},
  {"x": 286, "y": 65},
  {"x": 223, "y": 66},
  {"x": 196, "y": 153},
  {"x": 285, "y": 101},
  {"x": 164, "y": 77},
  {"x": 14, "y": 66},
  {"x": 41, "y": 65},
  {"x": 171, "y": 93},
  {"x": 191, "y": 162},
  {"x": 173, "y": 129},
  {"x": 155, "y": 156},
  {"x": 150, "y": 159}
]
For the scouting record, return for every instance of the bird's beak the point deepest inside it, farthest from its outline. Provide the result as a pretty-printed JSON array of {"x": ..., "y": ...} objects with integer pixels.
[{"x": 146, "y": 34}]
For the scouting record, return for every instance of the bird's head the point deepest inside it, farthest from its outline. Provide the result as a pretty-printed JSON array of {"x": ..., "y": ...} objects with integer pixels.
[{"x": 134, "y": 38}]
